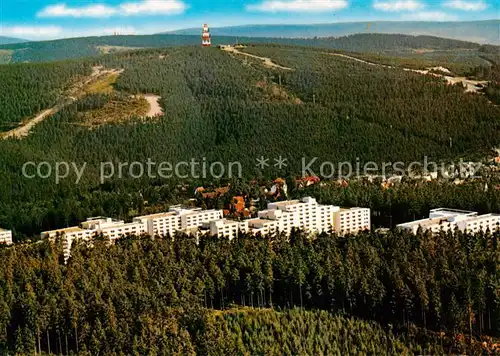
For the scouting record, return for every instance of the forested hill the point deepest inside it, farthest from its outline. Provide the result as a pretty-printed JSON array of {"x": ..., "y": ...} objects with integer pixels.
[
  {"x": 90, "y": 46},
  {"x": 476, "y": 31},
  {"x": 227, "y": 108},
  {"x": 10, "y": 40}
]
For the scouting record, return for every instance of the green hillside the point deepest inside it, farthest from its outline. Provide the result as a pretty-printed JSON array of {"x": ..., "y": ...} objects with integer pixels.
[
  {"x": 91, "y": 46},
  {"x": 10, "y": 40},
  {"x": 220, "y": 107}
]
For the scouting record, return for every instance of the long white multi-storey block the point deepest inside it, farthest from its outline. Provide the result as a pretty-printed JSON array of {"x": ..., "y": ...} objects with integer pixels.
[
  {"x": 308, "y": 214},
  {"x": 444, "y": 219},
  {"x": 5, "y": 237},
  {"x": 352, "y": 220},
  {"x": 305, "y": 214},
  {"x": 113, "y": 229},
  {"x": 178, "y": 219}
]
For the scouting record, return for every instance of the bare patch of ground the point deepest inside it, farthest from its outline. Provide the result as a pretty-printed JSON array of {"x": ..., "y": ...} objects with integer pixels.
[
  {"x": 472, "y": 86},
  {"x": 267, "y": 61},
  {"x": 103, "y": 84},
  {"x": 154, "y": 107},
  {"x": 99, "y": 81}
]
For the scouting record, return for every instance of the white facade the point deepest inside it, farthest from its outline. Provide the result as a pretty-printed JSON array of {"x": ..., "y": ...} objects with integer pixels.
[
  {"x": 112, "y": 229},
  {"x": 5, "y": 237},
  {"x": 263, "y": 226},
  {"x": 309, "y": 215},
  {"x": 161, "y": 224},
  {"x": 178, "y": 219},
  {"x": 226, "y": 228},
  {"x": 450, "y": 219},
  {"x": 305, "y": 214},
  {"x": 352, "y": 220}
]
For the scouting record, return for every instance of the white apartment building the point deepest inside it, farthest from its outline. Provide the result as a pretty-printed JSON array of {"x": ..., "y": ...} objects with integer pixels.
[
  {"x": 263, "y": 226},
  {"x": 178, "y": 219},
  {"x": 308, "y": 214},
  {"x": 187, "y": 220},
  {"x": 352, "y": 220},
  {"x": 192, "y": 219},
  {"x": 444, "y": 219},
  {"x": 161, "y": 224},
  {"x": 305, "y": 214},
  {"x": 225, "y": 227},
  {"x": 271, "y": 220},
  {"x": 5, "y": 237},
  {"x": 113, "y": 229}
]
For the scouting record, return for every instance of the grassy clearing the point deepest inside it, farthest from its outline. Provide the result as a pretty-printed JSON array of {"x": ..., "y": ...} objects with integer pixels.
[
  {"x": 102, "y": 85},
  {"x": 275, "y": 92},
  {"x": 119, "y": 108}
]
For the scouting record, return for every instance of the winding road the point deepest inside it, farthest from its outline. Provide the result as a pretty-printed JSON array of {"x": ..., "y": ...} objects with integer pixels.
[{"x": 267, "y": 61}]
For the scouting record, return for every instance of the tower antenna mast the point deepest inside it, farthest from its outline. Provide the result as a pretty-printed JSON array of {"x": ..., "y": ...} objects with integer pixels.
[{"x": 206, "y": 39}]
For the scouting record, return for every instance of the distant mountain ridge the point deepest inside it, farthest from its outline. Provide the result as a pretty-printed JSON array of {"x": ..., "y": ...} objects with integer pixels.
[
  {"x": 473, "y": 31},
  {"x": 90, "y": 46},
  {"x": 10, "y": 40}
]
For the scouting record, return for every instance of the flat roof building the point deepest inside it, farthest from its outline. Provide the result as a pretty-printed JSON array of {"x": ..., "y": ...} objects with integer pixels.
[
  {"x": 113, "y": 229},
  {"x": 444, "y": 219},
  {"x": 226, "y": 228},
  {"x": 5, "y": 237},
  {"x": 308, "y": 214},
  {"x": 178, "y": 219},
  {"x": 305, "y": 214},
  {"x": 352, "y": 220}
]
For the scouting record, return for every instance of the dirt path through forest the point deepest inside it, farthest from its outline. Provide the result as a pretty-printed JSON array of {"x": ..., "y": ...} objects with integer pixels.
[
  {"x": 267, "y": 61},
  {"x": 25, "y": 127},
  {"x": 472, "y": 86},
  {"x": 24, "y": 130}
]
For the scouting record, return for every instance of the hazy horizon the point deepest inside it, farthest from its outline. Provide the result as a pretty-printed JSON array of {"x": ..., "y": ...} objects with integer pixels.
[{"x": 51, "y": 19}]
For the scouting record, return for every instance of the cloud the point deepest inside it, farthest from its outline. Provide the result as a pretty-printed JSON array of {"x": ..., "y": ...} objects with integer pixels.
[
  {"x": 152, "y": 7},
  {"x": 299, "y": 5},
  {"x": 398, "y": 5},
  {"x": 466, "y": 5},
  {"x": 30, "y": 31},
  {"x": 144, "y": 7},
  {"x": 61, "y": 10},
  {"x": 430, "y": 16}
]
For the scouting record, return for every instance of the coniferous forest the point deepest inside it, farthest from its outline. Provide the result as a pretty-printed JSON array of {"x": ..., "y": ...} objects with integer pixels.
[
  {"x": 229, "y": 108},
  {"x": 395, "y": 293},
  {"x": 376, "y": 293}
]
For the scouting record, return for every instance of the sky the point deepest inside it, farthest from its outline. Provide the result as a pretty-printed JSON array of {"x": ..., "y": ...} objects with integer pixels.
[{"x": 50, "y": 19}]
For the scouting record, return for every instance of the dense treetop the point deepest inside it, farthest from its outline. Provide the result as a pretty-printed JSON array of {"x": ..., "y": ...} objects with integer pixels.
[{"x": 142, "y": 294}]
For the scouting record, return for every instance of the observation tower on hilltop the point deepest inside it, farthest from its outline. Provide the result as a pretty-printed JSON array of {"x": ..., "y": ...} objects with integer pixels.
[{"x": 206, "y": 39}]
